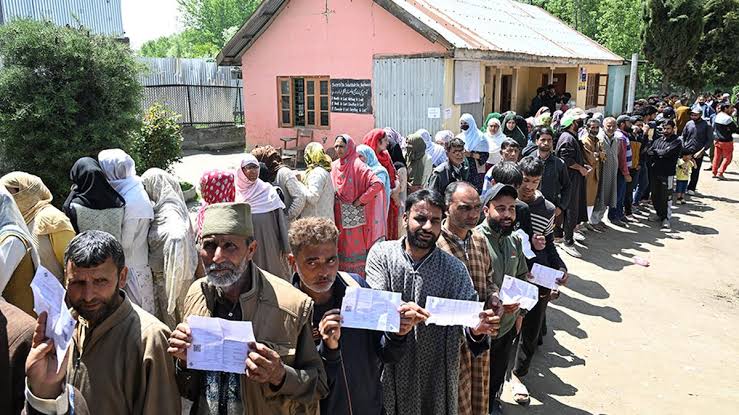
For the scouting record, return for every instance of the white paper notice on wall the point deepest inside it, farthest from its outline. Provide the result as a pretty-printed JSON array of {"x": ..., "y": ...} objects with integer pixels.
[
  {"x": 466, "y": 82},
  {"x": 447, "y": 113},
  {"x": 434, "y": 112}
]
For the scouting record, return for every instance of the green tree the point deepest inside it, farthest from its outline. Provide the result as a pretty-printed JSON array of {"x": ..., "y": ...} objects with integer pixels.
[
  {"x": 209, "y": 24},
  {"x": 159, "y": 142},
  {"x": 670, "y": 36},
  {"x": 619, "y": 26},
  {"x": 64, "y": 94},
  {"x": 717, "y": 58}
]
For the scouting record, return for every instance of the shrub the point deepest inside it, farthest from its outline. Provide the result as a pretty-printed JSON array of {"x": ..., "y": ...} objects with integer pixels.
[
  {"x": 159, "y": 143},
  {"x": 64, "y": 94}
]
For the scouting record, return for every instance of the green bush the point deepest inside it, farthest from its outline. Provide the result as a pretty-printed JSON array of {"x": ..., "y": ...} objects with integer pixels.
[
  {"x": 159, "y": 143},
  {"x": 64, "y": 94}
]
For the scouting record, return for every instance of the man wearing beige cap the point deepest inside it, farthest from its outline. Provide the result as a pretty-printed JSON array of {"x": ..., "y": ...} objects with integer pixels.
[{"x": 284, "y": 373}]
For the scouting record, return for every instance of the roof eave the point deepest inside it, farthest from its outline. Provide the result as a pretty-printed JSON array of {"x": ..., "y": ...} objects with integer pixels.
[
  {"x": 234, "y": 49},
  {"x": 525, "y": 58}
]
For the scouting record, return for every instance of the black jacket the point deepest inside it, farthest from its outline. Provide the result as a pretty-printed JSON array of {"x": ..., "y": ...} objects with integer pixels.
[
  {"x": 444, "y": 174},
  {"x": 555, "y": 182},
  {"x": 663, "y": 155},
  {"x": 724, "y": 128},
  {"x": 697, "y": 135}
]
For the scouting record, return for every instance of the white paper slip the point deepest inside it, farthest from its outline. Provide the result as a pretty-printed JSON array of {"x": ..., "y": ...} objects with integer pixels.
[
  {"x": 525, "y": 243},
  {"x": 218, "y": 344},
  {"x": 48, "y": 296},
  {"x": 448, "y": 312},
  {"x": 545, "y": 276},
  {"x": 514, "y": 291},
  {"x": 365, "y": 308}
]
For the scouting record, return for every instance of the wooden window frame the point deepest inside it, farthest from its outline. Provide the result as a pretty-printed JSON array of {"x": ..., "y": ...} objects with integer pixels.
[
  {"x": 315, "y": 97},
  {"x": 597, "y": 82}
]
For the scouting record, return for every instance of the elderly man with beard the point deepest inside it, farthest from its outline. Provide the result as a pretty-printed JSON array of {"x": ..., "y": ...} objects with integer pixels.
[
  {"x": 353, "y": 358},
  {"x": 460, "y": 238},
  {"x": 506, "y": 253},
  {"x": 119, "y": 358},
  {"x": 284, "y": 373},
  {"x": 426, "y": 380}
]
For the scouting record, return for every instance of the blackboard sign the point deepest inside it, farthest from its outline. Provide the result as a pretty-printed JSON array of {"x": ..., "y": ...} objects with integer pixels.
[{"x": 351, "y": 96}]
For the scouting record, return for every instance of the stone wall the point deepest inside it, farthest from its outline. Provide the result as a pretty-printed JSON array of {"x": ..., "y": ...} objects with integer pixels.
[{"x": 213, "y": 138}]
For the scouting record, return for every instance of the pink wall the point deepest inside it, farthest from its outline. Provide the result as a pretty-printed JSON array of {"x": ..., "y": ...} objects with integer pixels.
[{"x": 302, "y": 41}]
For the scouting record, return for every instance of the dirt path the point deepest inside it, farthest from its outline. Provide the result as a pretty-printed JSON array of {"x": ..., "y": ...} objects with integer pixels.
[{"x": 656, "y": 340}]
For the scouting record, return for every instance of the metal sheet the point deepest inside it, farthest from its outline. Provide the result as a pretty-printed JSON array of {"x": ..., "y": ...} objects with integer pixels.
[
  {"x": 174, "y": 71},
  {"x": 403, "y": 91},
  {"x": 99, "y": 16}
]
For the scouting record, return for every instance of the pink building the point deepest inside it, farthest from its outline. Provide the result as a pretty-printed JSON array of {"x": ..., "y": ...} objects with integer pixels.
[{"x": 317, "y": 69}]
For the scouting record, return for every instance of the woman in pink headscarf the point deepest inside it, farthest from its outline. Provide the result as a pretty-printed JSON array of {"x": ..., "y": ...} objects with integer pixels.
[
  {"x": 267, "y": 216},
  {"x": 359, "y": 206},
  {"x": 216, "y": 186}
]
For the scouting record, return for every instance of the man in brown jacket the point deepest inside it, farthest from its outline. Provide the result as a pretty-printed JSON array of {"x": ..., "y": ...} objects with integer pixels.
[
  {"x": 284, "y": 373},
  {"x": 119, "y": 359}
]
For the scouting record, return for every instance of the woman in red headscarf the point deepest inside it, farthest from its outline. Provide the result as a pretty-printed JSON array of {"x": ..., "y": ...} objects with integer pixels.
[
  {"x": 355, "y": 208},
  {"x": 377, "y": 140}
]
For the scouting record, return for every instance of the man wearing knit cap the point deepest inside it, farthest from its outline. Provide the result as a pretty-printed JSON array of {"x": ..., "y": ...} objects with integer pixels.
[{"x": 284, "y": 373}]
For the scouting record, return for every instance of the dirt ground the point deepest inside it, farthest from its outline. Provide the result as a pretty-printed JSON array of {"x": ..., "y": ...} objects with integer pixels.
[{"x": 633, "y": 340}]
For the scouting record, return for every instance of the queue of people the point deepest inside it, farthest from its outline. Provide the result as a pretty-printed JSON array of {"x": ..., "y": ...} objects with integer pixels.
[{"x": 446, "y": 217}]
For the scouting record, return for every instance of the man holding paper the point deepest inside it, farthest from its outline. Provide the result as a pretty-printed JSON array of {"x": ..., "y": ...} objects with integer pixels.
[
  {"x": 352, "y": 355},
  {"x": 282, "y": 372},
  {"x": 506, "y": 252},
  {"x": 414, "y": 267},
  {"x": 460, "y": 238}
]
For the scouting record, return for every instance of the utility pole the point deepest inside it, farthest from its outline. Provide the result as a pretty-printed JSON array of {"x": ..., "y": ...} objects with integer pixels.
[{"x": 632, "y": 82}]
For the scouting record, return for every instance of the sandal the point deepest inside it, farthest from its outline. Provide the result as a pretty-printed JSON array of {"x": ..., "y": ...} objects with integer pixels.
[{"x": 521, "y": 394}]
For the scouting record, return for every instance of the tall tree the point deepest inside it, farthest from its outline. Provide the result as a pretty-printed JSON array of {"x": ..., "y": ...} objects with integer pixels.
[
  {"x": 670, "y": 36},
  {"x": 717, "y": 58}
]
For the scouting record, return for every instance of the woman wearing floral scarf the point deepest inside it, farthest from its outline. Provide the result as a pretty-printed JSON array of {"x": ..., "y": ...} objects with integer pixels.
[{"x": 319, "y": 190}]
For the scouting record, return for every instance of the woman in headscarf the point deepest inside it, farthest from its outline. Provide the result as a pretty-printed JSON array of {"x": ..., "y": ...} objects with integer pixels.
[
  {"x": 18, "y": 255},
  {"x": 476, "y": 150},
  {"x": 542, "y": 111},
  {"x": 50, "y": 229},
  {"x": 395, "y": 145},
  {"x": 512, "y": 130},
  {"x": 92, "y": 203},
  {"x": 556, "y": 118},
  {"x": 378, "y": 141},
  {"x": 216, "y": 186},
  {"x": 173, "y": 257},
  {"x": 419, "y": 163},
  {"x": 436, "y": 152},
  {"x": 369, "y": 158},
  {"x": 401, "y": 193},
  {"x": 319, "y": 190},
  {"x": 120, "y": 170},
  {"x": 282, "y": 176},
  {"x": 267, "y": 216},
  {"x": 356, "y": 188},
  {"x": 495, "y": 138},
  {"x": 490, "y": 116},
  {"x": 442, "y": 137}
]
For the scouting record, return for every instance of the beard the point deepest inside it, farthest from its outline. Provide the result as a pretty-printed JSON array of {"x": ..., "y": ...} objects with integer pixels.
[
  {"x": 414, "y": 239},
  {"x": 94, "y": 317},
  {"x": 225, "y": 274},
  {"x": 503, "y": 228}
]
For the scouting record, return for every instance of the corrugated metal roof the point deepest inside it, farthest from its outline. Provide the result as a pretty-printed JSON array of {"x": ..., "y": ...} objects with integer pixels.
[
  {"x": 506, "y": 27},
  {"x": 483, "y": 29},
  {"x": 99, "y": 16}
]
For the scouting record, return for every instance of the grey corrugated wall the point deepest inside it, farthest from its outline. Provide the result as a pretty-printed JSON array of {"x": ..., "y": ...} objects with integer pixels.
[{"x": 100, "y": 16}]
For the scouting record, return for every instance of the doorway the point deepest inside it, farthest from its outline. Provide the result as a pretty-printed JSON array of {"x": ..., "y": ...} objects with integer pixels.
[
  {"x": 559, "y": 82},
  {"x": 506, "y": 88}
]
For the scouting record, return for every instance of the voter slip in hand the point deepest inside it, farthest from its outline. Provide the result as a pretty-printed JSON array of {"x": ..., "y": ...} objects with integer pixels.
[
  {"x": 545, "y": 276},
  {"x": 515, "y": 291},
  {"x": 48, "y": 296},
  {"x": 219, "y": 345},
  {"x": 365, "y": 308},
  {"x": 448, "y": 312},
  {"x": 525, "y": 243}
]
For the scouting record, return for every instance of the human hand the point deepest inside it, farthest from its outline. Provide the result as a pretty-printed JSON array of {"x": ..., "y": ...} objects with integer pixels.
[
  {"x": 519, "y": 324},
  {"x": 627, "y": 178},
  {"x": 511, "y": 308},
  {"x": 488, "y": 326},
  {"x": 43, "y": 379},
  {"x": 496, "y": 305},
  {"x": 330, "y": 328},
  {"x": 357, "y": 203},
  {"x": 554, "y": 294},
  {"x": 565, "y": 277},
  {"x": 263, "y": 365},
  {"x": 557, "y": 211},
  {"x": 538, "y": 242},
  {"x": 179, "y": 341},
  {"x": 410, "y": 315}
]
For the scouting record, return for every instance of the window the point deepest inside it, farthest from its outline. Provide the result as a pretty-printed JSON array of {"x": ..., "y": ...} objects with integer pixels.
[
  {"x": 303, "y": 101},
  {"x": 597, "y": 90}
]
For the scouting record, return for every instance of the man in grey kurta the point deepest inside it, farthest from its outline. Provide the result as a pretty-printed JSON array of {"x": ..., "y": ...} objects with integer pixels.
[
  {"x": 609, "y": 172},
  {"x": 426, "y": 381}
]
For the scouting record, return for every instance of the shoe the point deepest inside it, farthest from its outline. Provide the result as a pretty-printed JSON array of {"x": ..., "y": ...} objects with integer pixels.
[
  {"x": 714, "y": 176},
  {"x": 589, "y": 227},
  {"x": 559, "y": 240},
  {"x": 691, "y": 192},
  {"x": 721, "y": 177},
  {"x": 571, "y": 250},
  {"x": 577, "y": 236},
  {"x": 600, "y": 227},
  {"x": 653, "y": 217},
  {"x": 631, "y": 218},
  {"x": 666, "y": 224},
  {"x": 682, "y": 201}
]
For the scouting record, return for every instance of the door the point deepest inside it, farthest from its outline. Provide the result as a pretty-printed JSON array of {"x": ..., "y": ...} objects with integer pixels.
[
  {"x": 560, "y": 82},
  {"x": 505, "y": 93}
]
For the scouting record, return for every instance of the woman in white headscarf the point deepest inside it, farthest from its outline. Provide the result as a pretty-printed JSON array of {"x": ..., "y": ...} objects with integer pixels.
[
  {"x": 476, "y": 150},
  {"x": 495, "y": 137},
  {"x": 267, "y": 216},
  {"x": 436, "y": 152},
  {"x": 120, "y": 170},
  {"x": 18, "y": 255},
  {"x": 173, "y": 257}
]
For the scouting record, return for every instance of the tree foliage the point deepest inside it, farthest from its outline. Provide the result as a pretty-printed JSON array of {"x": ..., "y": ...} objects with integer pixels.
[
  {"x": 209, "y": 24},
  {"x": 64, "y": 94},
  {"x": 159, "y": 142},
  {"x": 717, "y": 58}
]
